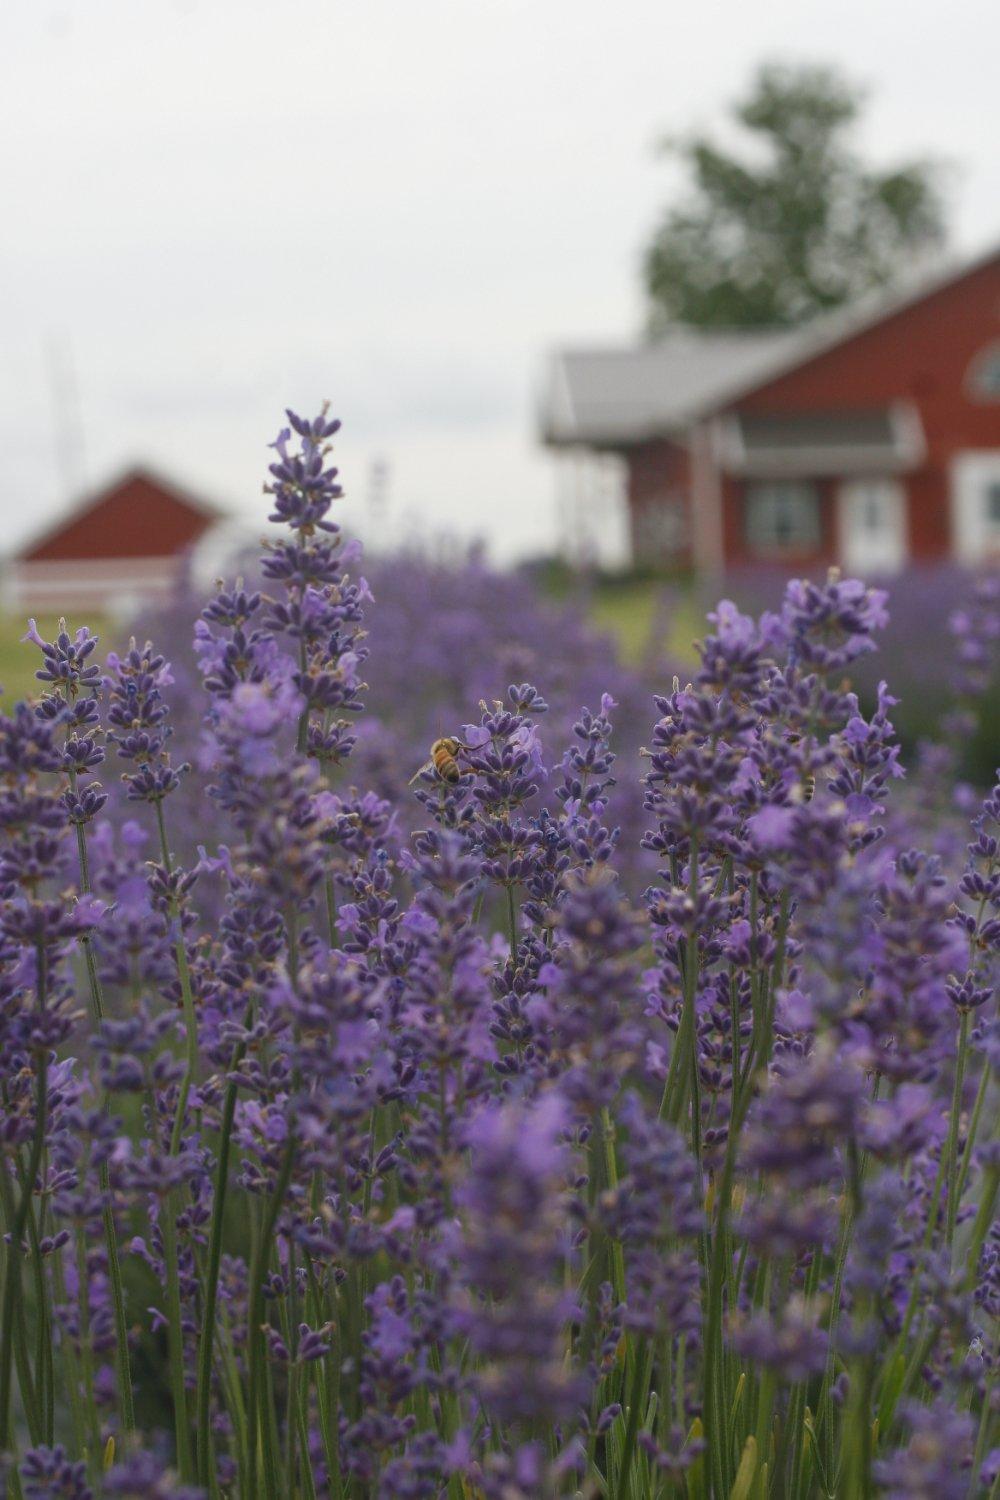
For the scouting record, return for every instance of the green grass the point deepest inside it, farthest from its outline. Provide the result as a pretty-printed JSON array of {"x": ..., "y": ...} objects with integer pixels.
[
  {"x": 655, "y": 619},
  {"x": 652, "y": 620},
  {"x": 19, "y": 659}
]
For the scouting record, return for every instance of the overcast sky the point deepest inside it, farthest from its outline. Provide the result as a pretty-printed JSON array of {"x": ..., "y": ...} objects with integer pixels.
[{"x": 214, "y": 208}]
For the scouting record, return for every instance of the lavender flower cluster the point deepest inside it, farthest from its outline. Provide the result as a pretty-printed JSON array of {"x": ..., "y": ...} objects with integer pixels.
[
  {"x": 381, "y": 1152},
  {"x": 449, "y": 631}
]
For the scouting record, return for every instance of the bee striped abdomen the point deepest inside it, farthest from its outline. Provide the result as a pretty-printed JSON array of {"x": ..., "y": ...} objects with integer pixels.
[{"x": 443, "y": 756}]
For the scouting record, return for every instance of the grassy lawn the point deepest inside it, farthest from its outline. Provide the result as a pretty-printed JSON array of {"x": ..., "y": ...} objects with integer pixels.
[
  {"x": 653, "y": 620},
  {"x": 19, "y": 659}
]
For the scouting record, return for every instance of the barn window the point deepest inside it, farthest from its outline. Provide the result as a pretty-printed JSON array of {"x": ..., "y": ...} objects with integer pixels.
[
  {"x": 660, "y": 528},
  {"x": 782, "y": 516},
  {"x": 983, "y": 378},
  {"x": 993, "y": 508}
]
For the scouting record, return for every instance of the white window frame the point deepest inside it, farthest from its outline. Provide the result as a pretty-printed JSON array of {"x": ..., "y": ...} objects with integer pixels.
[
  {"x": 975, "y": 477},
  {"x": 767, "y": 503},
  {"x": 859, "y": 549}
]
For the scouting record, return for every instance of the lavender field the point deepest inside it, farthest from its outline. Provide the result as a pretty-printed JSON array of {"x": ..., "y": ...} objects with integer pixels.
[{"x": 602, "y": 1102}]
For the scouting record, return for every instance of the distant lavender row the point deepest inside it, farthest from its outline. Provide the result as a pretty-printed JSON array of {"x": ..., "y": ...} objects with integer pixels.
[
  {"x": 361, "y": 1139},
  {"x": 447, "y": 633},
  {"x": 931, "y": 606}
]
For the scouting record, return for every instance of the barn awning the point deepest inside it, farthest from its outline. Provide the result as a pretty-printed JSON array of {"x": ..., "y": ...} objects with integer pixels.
[{"x": 880, "y": 440}]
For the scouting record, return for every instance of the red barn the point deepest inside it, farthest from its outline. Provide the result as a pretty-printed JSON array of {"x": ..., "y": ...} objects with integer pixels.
[
  {"x": 870, "y": 439},
  {"x": 117, "y": 547}
]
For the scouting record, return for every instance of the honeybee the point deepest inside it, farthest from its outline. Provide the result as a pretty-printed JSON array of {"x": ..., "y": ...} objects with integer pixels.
[{"x": 443, "y": 760}]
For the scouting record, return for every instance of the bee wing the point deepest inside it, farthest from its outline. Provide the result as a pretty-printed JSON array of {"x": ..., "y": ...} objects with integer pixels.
[{"x": 428, "y": 765}]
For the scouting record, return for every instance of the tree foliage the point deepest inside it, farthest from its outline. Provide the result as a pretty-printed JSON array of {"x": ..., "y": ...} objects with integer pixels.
[{"x": 795, "y": 225}]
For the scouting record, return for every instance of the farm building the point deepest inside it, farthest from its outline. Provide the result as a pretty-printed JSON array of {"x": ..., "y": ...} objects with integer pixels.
[
  {"x": 121, "y": 545},
  {"x": 869, "y": 440}
]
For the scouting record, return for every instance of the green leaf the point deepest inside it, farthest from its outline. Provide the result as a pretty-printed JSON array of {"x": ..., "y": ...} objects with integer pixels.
[
  {"x": 746, "y": 1471},
  {"x": 696, "y": 1473}
]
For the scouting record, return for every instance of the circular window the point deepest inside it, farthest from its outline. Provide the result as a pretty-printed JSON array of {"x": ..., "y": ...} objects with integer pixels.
[{"x": 983, "y": 379}]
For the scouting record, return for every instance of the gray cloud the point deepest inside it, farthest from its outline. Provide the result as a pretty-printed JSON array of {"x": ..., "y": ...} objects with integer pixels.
[{"x": 227, "y": 206}]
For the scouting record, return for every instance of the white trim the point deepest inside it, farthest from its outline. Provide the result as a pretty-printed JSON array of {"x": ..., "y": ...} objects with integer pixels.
[
  {"x": 909, "y": 432},
  {"x": 54, "y": 587},
  {"x": 728, "y": 447},
  {"x": 858, "y": 550},
  {"x": 821, "y": 462},
  {"x": 975, "y": 539}
]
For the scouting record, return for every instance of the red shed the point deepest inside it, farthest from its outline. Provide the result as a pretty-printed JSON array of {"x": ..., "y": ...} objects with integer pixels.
[
  {"x": 870, "y": 440},
  {"x": 116, "y": 547}
]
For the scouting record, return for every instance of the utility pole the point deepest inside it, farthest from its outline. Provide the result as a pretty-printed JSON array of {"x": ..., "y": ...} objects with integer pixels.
[{"x": 64, "y": 393}]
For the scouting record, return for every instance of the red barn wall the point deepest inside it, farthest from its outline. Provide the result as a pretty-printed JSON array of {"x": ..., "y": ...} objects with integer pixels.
[
  {"x": 734, "y": 534},
  {"x": 920, "y": 354},
  {"x": 134, "y": 519},
  {"x": 659, "y": 473}
]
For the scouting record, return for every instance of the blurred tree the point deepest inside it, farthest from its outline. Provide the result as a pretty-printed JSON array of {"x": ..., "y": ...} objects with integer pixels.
[{"x": 797, "y": 226}]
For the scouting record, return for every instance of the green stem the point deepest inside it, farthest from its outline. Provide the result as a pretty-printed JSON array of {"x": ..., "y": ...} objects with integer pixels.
[
  {"x": 765, "y": 1410},
  {"x": 302, "y": 734},
  {"x": 856, "y": 1472},
  {"x": 68, "y": 1359},
  {"x": 172, "y": 1206},
  {"x": 255, "y": 1317},
  {"x": 973, "y": 1132},
  {"x": 12, "y": 1270},
  {"x": 207, "y": 1344},
  {"x": 611, "y": 1169},
  {"x": 683, "y": 1060},
  {"x": 794, "y": 1437},
  {"x": 122, "y": 1361},
  {"x": 118, "y": 1302},
  {"x": 715, "y": 1402},
  {"x": 985, "y": 1419},
  {"x": 175, "y": 1334},
  {"x": 331, "y": 909},
  {"x": 86, "y": 1347},
  {"x": 640, "y": 1380},
  {"x": 953, "y": 1131},
  {"x": 983, "y": 1222},
  {"x": 20, "y": 1333},
  {"x": 891, "y": 1383},
  {"x": 43, "y": 1331}
]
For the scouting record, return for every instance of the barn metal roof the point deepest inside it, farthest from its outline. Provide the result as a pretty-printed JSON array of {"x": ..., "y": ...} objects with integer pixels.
[
  {"x": 603, "y": 397},
  {"x": 613, "y": 397}
]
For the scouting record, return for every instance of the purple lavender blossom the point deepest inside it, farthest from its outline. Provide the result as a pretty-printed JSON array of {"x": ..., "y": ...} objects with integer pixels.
[
  {"x": 512, "y": 1247},
  {"x": 435, "y": 1164}
]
